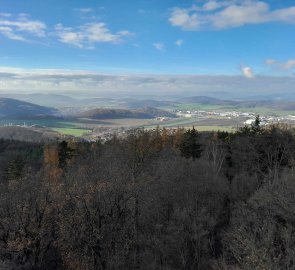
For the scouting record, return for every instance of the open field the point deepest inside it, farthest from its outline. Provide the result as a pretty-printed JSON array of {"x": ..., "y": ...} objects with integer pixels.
[
  {"x": 62, "y": 127},
  {"x": 77, "y": 127},
  {"x": 72, "y": 131},
  {"x": 213, "y": 123},
  {"x": 122, "y": 122},
  {"x": 196, "y": 106}
]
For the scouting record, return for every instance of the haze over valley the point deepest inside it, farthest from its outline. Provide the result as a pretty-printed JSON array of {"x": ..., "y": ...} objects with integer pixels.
[{"x": 97, "y": 118}]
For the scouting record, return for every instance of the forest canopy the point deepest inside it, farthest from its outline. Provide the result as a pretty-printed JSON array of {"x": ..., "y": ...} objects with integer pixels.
[{"x": 156, "y": 199}]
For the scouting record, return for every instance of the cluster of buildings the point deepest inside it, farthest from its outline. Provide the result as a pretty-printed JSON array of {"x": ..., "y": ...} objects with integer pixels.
[{"x": 246, "y": 118}]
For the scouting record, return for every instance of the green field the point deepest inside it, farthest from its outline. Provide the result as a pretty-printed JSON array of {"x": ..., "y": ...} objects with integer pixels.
[
  {"x": 62, "y": 127},
  {"x": 77, "y": 132}
]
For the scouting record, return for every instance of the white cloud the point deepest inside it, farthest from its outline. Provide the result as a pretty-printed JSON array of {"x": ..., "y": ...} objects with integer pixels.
[
  {"x": 285, "y": 15},
  {"x": 248, "y": 72},
  {"x": 160, "y": 46},
  {"x": 179, "y": 42},
  {"x": 9, "y": 33},
  {"x": 213, "y": 5},
  {"x": 185, "y": 19},
  {"x": 21, "y": 27},
  {"x": 78, "y": 81},
  {"x": 287, "y": 65},
  {"x": 228, "y": 14},
  {"x": 87, "y": 35}
]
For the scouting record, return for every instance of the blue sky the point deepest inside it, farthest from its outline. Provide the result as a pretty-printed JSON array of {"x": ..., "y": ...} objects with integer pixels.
[{"x": 246, "y": 39}]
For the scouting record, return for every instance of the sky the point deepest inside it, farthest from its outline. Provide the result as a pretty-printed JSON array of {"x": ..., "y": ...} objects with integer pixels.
[{"x": 147, "y": 46}]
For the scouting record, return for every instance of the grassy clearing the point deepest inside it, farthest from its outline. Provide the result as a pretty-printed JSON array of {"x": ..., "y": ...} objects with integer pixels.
[
  {"x": 267, "y": 111},
  {"x": 196, "y": 106},
  {"x": 77, "y": 132}
]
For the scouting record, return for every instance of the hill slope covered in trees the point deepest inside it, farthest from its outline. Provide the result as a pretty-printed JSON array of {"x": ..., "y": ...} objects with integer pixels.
[
  {"x": 13, "y": 109},
  {"x": 144, "y": 113},
  {"x": 157, "y": 199}
]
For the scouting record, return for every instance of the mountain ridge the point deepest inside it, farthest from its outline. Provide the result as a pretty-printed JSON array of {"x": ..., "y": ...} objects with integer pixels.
[{"x": 13, "y": 108}]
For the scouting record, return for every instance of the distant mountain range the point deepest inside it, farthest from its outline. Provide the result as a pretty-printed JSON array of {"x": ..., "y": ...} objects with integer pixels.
[
  {"x": 144, "y": 113},
  {"x": 111, "y": 108},
  {"x": 271, "y": 103},
  {"x": 135, "y": 104},
  {"x": 16, "y": 109},
  {"x": 12, "y": 108}
]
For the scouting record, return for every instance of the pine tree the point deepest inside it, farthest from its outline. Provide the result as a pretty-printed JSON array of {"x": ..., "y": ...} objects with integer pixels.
[
  {"x": 190, "y": 146},
  {"x": 15, "y": 169},
  {"x": 64, "y": 154},
  {"x": 255, "y": 126}
]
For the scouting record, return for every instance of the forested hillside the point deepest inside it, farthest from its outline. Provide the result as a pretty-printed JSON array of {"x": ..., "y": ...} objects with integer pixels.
[
  {"x": 143, "y": 113},
  {"x": 16, "y": 109},
  {"x": 157, "y": 199}
]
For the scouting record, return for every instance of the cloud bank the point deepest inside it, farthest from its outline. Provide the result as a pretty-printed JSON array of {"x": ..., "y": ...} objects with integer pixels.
[{"x": 94, "y": 83}]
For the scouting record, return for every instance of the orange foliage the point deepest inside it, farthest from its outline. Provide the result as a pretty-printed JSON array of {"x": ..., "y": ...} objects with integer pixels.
[{"x": 51, "y": 161}]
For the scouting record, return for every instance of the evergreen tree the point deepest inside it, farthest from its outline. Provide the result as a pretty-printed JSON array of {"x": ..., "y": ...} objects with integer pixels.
[
  {"x": 190, "y": 146},
  {"x": 253, "y": 129},
  {"x": 64, "y": 154},
  {"x": 15, "y": 169},
  {"x": 255, "y": 126}
]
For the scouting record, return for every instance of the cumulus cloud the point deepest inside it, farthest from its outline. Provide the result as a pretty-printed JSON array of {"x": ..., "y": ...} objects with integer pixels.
[
  {"x": 61, "y": 81},
  {"x": 89, "y": 34},
  {"x": 185, "y": 19},
  {"x": 21, "y": 27},
  {"x": 287, "y": 65},
  {"x": 248, "y": 72},
  {"x": 228, "y": 14},
  {"x": 213, "y": 5},
  {"x": 160, "y": 46}
]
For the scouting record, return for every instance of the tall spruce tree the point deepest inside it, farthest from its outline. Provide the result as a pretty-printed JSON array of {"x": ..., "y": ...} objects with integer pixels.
[
  {"x": 64, "y": 154},
  {"x": 190, "y": 147},
  {"x": 15, "y": 169}
]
